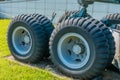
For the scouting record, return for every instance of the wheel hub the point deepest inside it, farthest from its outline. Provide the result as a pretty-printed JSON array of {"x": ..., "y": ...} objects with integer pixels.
[
  {"x": 76, "y": 49},
  {"x": 73, "y": 50},
  {"x": 26, "y": 39},
  {"x": 22, "y": 41}
]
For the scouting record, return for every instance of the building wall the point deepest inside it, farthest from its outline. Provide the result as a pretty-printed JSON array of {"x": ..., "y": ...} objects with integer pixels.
[{"x": 11, "y": 8}]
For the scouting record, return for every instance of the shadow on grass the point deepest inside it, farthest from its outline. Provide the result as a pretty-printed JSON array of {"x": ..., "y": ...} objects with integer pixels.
[
  {"x": 48, "y": 65},
  {"x": 43, "y": 64}
]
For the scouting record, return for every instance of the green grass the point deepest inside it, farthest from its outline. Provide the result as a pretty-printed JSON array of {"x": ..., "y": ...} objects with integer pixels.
[{"x": 12, "y": 70}]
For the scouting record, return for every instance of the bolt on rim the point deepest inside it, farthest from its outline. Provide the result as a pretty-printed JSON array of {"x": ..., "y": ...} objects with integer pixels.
[
  {"x": 73, "y": 50},
  {"x": 22, "y": 41}
]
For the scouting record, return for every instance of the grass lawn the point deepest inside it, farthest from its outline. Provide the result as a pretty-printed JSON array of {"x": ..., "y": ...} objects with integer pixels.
[{"x": 11, "y": 70}]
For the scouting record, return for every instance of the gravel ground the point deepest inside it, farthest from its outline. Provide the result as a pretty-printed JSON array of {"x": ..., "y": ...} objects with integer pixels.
[{"x": 48, "y": 65}]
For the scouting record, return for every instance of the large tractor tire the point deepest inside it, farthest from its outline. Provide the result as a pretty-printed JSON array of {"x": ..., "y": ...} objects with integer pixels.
[
  {"x": 113, "y": 19},
  {"x": 109, "y": 36},
  {"x": 45, "y": 22},
  {"x": 107, "y": 32},
  {"x": 79, "y": 48},
  {"x": 48, "y": 28},
  {"x": 27, "y": 39}
]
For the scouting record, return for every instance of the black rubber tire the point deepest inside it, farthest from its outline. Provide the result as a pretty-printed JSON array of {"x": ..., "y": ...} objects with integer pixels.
[
  {"x": 109, "y": 37},
  {"x": 48, "y": 28},
  {"x": 67, "y": 14},
  {"x": 37, "y": 34},
  {"x": 45, "y": 22},
  {"x": 112, "y": 19},
  {"x": 96, "y": 40}
]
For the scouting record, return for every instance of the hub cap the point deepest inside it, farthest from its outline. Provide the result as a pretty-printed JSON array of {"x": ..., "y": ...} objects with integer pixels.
[
  {"x": 21, "y": 40},
  {"x": 73, "y": 50},
  {"x": 76, "y": 49},
  {"x": 26, "y": 39}
]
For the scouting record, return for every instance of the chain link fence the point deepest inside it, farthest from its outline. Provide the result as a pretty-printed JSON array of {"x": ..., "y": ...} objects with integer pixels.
[{"x": 11, "y": 8}]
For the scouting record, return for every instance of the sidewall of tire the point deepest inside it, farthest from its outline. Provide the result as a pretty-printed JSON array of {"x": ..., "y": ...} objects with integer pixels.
[
  {"x": 15, "y": 53},
  {"x": 84, "y": 34}
]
